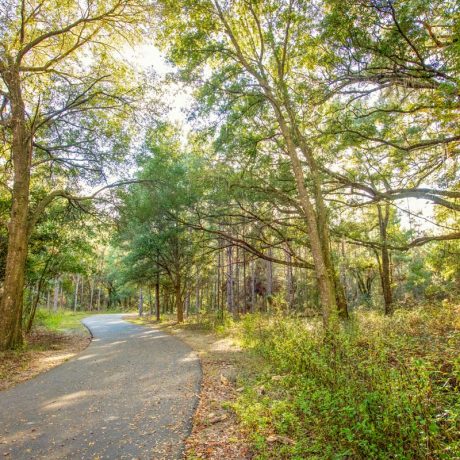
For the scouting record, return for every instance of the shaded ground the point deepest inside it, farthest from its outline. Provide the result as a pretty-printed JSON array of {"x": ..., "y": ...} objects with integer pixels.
[
  {"x": 130, "y": 394},
  {"x": 45, "y": 350},
  {"x": 216, "y": 433}
]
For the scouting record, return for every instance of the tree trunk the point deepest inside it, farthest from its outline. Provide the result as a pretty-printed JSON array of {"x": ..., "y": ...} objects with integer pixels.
[
  {"x": 187, "y": 303},
  {"x": 244, "y": 283},
  {"x": 211, "y": 295},
  {"x": 150, "y": 301},
  {"x": 343, "y": 271},
  {"x": 91, "y": 295},
  {"x": 13, "y": 284},
  {"x": 99, "y": 297},
  {"x": 323, "y": 229},
  {"x": 320, "y": 213},
  {"x": 269, "y": 266},
  {"x": 197, "y": 296},
  {"x": 218, "y": 278},
  {"x": 237, "y": 285},
  {"x": 385, "y": 266},
  {"x": 141, "y": 303},
  {"x": 82, "y": 298},
  {"x": 319, "y": 247},
  {"x": 230, "y": 281},
  {"x": 33, "y": 310},
  {"x": 179, "y": 304},
  {"x": 61, "y": 296},
  {"x": 75, "y": 300},
  {"x": 56, "y": 295},
  {"x": 289, "y": 286},
  {"x": 157, "y": 295},
  {"x": 253, "y": 287}
]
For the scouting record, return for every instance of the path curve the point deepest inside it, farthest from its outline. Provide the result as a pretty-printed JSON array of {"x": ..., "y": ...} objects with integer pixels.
[{"x": 130, "y": 395}]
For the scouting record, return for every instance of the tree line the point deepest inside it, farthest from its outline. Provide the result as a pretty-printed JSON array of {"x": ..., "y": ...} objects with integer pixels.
[{"x": 317, "y": 128}]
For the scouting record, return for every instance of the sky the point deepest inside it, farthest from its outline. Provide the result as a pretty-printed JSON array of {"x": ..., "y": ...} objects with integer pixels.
[{"x": 148, "y": 57}]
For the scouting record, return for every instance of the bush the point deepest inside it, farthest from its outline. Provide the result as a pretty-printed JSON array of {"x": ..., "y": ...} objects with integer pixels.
[{"x": 382, "y": 388}]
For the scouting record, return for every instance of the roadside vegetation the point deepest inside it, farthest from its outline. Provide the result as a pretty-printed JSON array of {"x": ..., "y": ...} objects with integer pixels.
[
  {"x": 62, "y": 321},
  {"x": 381, "y": 388}
]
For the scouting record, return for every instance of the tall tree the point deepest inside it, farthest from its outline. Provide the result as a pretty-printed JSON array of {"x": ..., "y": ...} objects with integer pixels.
[
  {"x": 55, "y": 76},
  {"x": 252, "y": 49}
]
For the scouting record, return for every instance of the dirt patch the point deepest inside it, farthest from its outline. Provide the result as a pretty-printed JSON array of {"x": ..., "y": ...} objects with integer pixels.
[
  {"x": 216, "y": 433},
  {"x": 44, "y": 350}
]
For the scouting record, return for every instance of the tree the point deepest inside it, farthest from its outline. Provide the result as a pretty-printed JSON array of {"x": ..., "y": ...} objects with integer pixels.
[
  {"x": 251, "y": 47},
  {"x": 372, "y": 89},
  {"x": 151, "y": 234},
  {"x": 55, "y": 77}
]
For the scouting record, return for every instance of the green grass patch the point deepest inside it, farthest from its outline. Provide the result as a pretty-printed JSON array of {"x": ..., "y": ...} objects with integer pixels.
[{"x": 62, "y": 320}]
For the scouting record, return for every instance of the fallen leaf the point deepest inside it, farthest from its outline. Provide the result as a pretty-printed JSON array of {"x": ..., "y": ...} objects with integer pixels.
[{"x": 281, "y": 439}]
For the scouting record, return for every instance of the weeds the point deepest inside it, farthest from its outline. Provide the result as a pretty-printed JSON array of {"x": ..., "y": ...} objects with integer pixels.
[{"x": 383, "y": 388}]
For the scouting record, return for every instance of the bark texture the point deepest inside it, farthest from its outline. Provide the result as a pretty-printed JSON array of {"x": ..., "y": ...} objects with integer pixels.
[
  {"x": 13, "y": 287},
  {"x": 384, "y": 262}
]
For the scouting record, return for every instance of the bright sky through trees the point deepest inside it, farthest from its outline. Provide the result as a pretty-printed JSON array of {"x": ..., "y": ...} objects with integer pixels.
[{"x": 414, "y": 213}]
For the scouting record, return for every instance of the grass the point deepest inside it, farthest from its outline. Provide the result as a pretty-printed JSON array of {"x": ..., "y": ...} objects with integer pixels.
[
  {"x": 63, "y": 320},
  {"x": 66, "y": 320}
]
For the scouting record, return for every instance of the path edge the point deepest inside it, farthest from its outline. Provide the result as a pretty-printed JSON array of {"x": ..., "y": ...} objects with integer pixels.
[{"x": 199, "y": 388}]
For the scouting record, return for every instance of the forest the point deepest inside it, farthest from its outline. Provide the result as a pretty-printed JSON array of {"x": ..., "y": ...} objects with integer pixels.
[{"x": 283, "y": 171}]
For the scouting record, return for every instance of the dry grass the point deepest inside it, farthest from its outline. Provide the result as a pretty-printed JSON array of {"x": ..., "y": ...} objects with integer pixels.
[{"x": 44, "y": 350}]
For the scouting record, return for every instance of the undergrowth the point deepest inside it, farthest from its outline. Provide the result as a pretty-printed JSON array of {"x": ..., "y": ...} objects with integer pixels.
[
  {"x": 383, "y": 388},
  {"x": 218, "y": 322},
  {"x": 62, "y": 320}
]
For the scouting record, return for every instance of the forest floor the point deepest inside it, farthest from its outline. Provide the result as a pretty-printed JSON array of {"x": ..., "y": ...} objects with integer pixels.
[
  {"x": 55, "y": 339},
  {"x": 216, "y": 433}
]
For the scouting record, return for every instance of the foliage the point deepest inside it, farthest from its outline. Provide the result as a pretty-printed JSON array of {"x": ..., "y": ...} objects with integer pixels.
[
  {"x": 317, "y": 175},
  {"x": 382, "y": 388}
]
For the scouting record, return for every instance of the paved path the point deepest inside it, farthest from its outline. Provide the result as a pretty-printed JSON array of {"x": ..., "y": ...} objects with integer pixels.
[{"x": 130, "y": 395}]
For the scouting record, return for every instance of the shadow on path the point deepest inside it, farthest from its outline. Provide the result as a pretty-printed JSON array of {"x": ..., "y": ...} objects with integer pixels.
[{"x": 130, "y": 394}]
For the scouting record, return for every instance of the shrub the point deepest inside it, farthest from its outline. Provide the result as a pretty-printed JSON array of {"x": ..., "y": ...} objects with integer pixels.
[{"x": 382, "y": 388}]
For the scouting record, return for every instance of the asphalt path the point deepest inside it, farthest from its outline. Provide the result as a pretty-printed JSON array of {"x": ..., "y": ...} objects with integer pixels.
[{"x": 130, "y": 395}]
